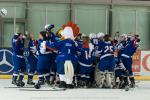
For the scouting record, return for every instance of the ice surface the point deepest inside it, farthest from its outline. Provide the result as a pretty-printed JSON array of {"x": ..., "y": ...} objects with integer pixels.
[{"x": 141, "y": 92}]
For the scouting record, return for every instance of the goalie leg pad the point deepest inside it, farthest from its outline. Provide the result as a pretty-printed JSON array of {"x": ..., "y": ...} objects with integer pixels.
[{"x": 101, "y": 79}]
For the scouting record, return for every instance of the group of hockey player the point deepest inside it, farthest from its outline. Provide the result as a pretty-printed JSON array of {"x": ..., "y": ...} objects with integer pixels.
[{"x": 70, "y": 59}]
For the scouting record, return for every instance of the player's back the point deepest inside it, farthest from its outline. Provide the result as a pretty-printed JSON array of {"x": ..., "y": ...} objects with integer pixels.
[
  {"x": 107, "y": 61},
  {"x": 42, "y": 50},
  {"x": 87, "y": 54},
  {"x": 107, "y": 49}
]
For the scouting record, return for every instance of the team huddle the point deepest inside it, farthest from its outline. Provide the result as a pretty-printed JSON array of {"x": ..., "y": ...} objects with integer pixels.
[{"x": 70, "y": 59}]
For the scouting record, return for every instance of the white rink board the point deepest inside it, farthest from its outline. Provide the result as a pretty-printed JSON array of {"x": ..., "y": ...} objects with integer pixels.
[
  {"x": 142, "y": 92},
  {"x": 145, "y": 63}
]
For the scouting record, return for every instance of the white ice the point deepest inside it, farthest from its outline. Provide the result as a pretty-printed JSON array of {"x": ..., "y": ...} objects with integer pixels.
[{"x": 141, "y": 92}]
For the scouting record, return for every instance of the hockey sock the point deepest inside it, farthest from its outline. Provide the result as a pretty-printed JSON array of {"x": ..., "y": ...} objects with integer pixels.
[
  {"x": 15, "y": 76},
  {"x": 47, "y": 77},
  {"x": 132, "y": 80},
  {"x": 21, "y": 76},
  {"x": 41, "y": 79},
  {"x": 126, "y": 81},
  {"x": 30, "y": 76},
  {"x": 120, "y": 78}
]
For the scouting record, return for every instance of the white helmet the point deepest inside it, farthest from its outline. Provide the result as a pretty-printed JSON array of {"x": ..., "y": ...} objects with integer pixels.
[
  {"x": 46, "y": 26},
  {"x": 92, "y": 36},
  {"x": 49, "y": 27},
  {"x": 123, "y": 37},
  {"x": 100, "y": 35},
  {"x": 84, "y": 35},
  {"x": 129, "y": 35}
]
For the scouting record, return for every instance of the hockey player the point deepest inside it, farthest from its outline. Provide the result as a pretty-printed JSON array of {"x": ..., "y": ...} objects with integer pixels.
[
  {"x": 121, "y": 45},
  {"x": 100, "y": 36},
  {"x": 126, "y": 58},
  {"x": 94, "y": 39},
  {"x": 32, "y": 58},
  {"x": 86, "y": 59},
  {"x": 79, "y": 42},
  {"x": 54, "y": 38},
  {"x": 44, "y": 59},
  {"x": 107, "y": 60},
  {"x": 120, "y": 69},
  {"x": 54, "y": 76},
  {"x": 18, "y": 59}
]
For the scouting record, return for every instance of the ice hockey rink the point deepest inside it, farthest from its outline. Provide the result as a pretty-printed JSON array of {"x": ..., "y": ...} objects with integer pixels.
[
  {"x": 121, "y": 19},
  {"x": 141, "y": 92}
]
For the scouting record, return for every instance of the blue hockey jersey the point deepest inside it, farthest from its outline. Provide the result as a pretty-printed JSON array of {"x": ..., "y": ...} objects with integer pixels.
[
  {"x": 94, "y": 41},
  {"x": 120, "y": 47},
  {"x": 130, "y": 49},
  {"x": 18, "y": 45},
  {"x": 42, "y": 50},
  {"x": 32, "y": 46},
  {"x": 87, "y": 55},
  {"x": 106, "y": 49}
]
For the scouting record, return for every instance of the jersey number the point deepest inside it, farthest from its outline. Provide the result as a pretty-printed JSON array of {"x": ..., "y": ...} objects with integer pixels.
[
  {"x": 87, "y": 54},
  {"x": 108, "y": 49}
]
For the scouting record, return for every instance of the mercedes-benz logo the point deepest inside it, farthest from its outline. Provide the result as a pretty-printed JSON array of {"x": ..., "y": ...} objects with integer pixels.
[{"x": 4, "y": 61}]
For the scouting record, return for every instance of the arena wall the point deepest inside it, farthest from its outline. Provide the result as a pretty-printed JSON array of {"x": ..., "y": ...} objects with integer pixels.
[{"x": 91, "y": 18}]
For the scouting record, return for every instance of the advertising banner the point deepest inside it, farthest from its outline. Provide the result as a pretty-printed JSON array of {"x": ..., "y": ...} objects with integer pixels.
[
  {"x": 6, "y": 64},
  {"x": 145, "y": 63}
]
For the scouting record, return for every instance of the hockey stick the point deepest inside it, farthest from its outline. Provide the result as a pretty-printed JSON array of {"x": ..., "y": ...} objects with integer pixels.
[
  {"x": 16, "y": 87},
  {"x": 52, "y": 89}
]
